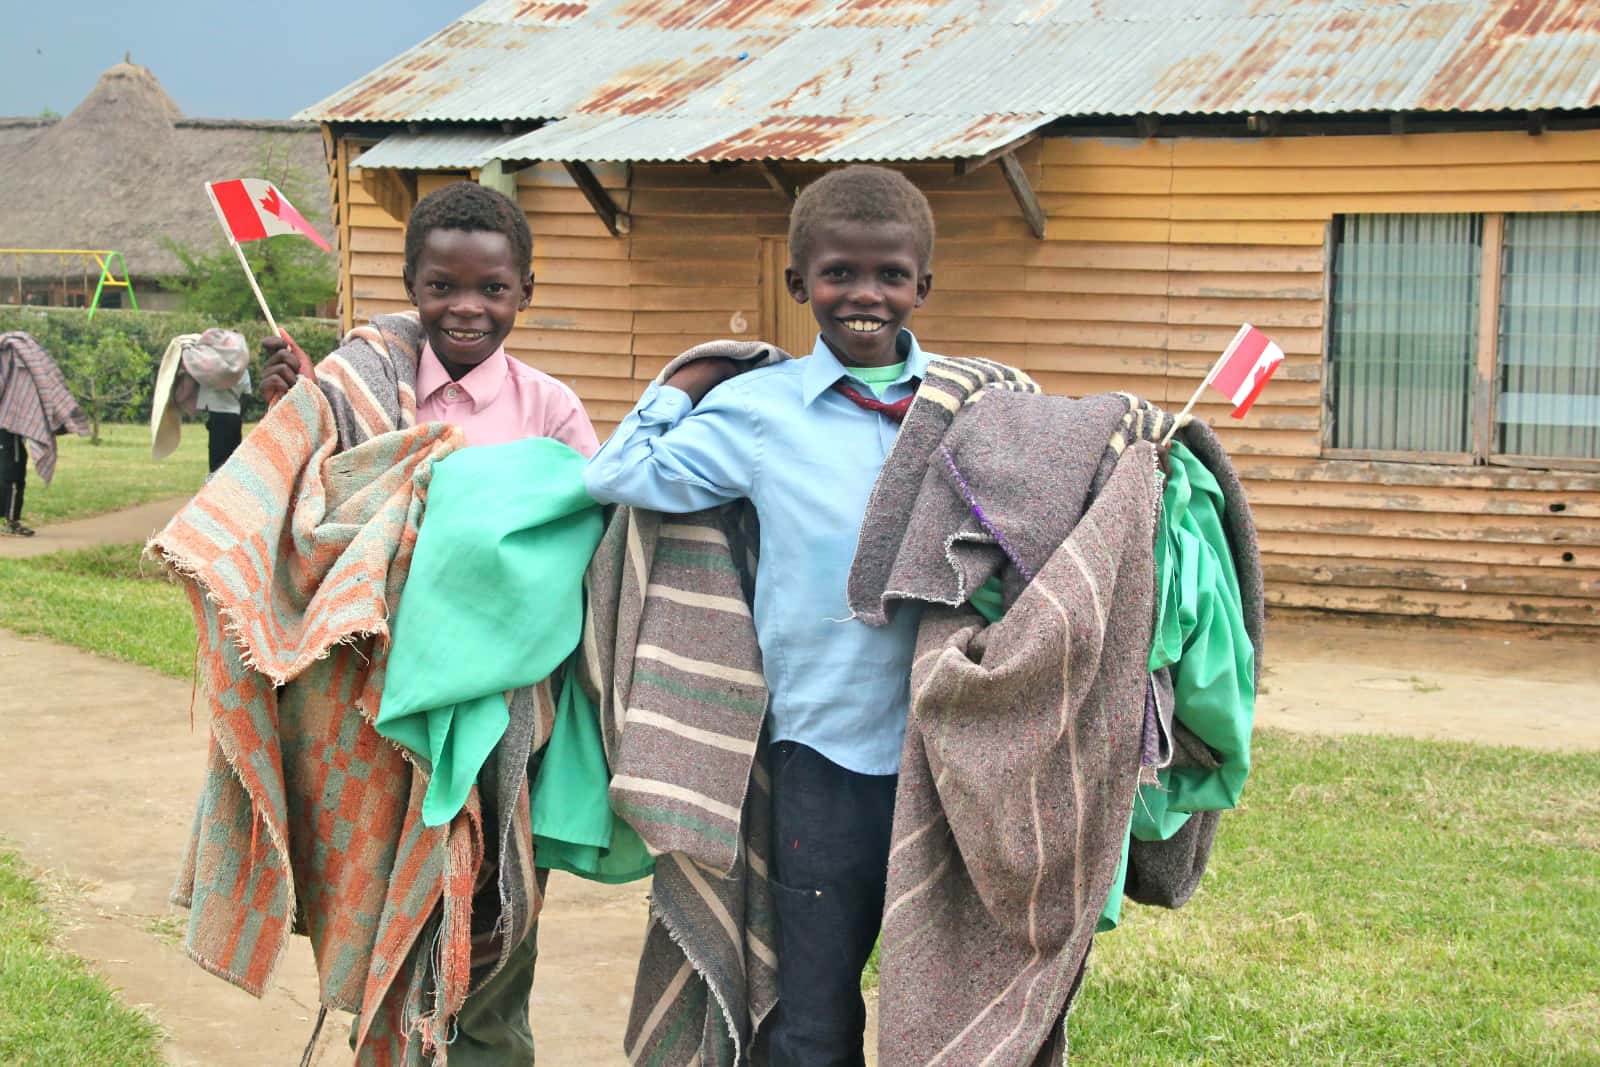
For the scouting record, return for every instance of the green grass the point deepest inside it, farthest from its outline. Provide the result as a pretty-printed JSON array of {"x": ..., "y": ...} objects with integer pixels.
[
  {"x": 53, "y": 1010},
  {"x": 104, "y": 600},
  {"x": 117, "y": 473},
  {"x": 1375, "y": 901}
]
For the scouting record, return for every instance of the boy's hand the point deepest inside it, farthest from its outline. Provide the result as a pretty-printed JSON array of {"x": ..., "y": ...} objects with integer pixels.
[
  {"x": 286, "y": 363},
  {"x": 700, "y": 377}
]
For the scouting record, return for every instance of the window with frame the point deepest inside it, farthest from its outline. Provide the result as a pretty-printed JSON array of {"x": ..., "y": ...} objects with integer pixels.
[{"x": 1461, "y": 338}]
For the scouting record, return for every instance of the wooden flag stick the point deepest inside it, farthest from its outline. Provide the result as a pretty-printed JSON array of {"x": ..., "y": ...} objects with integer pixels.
[{"x": 249, "y": 274}]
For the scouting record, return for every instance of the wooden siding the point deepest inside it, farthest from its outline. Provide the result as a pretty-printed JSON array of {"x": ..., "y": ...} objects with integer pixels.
[{"x": 1155, "y": 252}]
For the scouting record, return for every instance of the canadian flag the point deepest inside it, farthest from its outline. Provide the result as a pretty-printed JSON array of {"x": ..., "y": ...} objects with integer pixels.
[
  {"x": 1244, "y": 368},
  {"x": 252, "y": 208}
]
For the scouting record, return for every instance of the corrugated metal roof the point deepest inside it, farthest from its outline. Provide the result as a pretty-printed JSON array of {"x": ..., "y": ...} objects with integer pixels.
[
  {"x": 434, "y": 150},
  {"x": 904, "y": 79},
  {"x": 657, "y": 138}
]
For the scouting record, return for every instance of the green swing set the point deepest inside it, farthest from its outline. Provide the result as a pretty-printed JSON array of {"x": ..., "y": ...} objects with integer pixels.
[{"x": 105, "y": 259}]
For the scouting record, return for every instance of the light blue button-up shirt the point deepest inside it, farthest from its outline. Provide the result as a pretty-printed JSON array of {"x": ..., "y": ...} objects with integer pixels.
[{"x": 807, "y": 457}]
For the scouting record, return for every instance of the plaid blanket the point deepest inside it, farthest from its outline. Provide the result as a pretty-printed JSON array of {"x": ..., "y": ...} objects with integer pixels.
[
  {"x": 671, "y": 661},
  {"x": 35, "y": 402},
  {"x": 294, "y": 556}
]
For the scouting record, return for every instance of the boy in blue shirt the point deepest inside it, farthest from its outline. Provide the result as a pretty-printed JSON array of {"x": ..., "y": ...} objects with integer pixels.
[{"x": 804, "y": 441}]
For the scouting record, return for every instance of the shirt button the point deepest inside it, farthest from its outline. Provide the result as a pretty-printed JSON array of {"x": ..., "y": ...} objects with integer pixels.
[{"x": 452, "y": 393}]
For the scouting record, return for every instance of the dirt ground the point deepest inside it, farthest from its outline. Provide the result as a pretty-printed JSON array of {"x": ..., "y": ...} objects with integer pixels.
[
  {"x": 131, "y": 524},
  {"x": 99, "y": 767}
]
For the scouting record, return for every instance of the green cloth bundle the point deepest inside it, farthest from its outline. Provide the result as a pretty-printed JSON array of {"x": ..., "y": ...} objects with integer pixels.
[{"x": 493, "y": 603}]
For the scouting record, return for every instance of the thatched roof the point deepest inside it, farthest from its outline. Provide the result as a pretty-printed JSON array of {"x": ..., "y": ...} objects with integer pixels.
[{"x": 125, "y": 169}]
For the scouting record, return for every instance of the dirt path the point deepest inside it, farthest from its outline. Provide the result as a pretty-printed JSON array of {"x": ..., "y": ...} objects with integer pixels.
[
  {"x": 1526, "y": 685},
  {"x": 99, "y": 768},
  {"x": 116, "y": 527},
  {"x": 98, "y": 774}
]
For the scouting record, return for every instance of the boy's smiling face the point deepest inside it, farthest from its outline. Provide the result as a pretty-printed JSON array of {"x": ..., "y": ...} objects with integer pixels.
[
  {"x": 863, "y": 280},
  {"x": 468, "y": 288}
]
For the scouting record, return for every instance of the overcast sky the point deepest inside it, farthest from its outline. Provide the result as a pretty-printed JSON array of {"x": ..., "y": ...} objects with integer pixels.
[{"x": 219, "y": 59}]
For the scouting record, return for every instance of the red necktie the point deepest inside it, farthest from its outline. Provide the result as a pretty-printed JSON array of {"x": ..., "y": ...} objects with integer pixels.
[{"x": 895, "y": 411}]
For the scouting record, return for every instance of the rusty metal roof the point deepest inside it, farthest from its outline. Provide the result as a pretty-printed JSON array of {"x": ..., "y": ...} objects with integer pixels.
[{"x": 909, "y": 79}]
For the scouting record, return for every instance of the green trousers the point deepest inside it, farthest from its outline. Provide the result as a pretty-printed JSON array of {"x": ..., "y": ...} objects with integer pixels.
[{"x": 492, "y": 1029}]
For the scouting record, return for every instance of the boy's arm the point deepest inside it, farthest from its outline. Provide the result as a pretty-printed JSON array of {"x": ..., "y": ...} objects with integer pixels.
[{"x": 675, "y": 455}]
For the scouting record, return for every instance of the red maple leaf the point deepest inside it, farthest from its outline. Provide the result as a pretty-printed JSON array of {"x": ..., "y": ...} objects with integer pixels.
[{"x": 269, "y": 203}]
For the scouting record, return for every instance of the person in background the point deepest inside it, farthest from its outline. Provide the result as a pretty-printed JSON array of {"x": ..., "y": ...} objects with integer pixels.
[
  {"x": 218, "y": 364},
  {"x": 35, "y": 406}
]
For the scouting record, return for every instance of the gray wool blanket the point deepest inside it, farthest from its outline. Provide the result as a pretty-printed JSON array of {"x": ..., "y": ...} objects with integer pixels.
[
  {"x": 671, "y": 660},
  {"x": 1025, "y": 738}
]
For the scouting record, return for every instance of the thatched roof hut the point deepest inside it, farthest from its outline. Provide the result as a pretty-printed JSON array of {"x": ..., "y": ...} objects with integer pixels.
[{"x": 124, "y": 170}]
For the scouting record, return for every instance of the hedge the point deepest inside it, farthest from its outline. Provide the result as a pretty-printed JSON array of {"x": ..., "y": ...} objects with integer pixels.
[{"x": 68, "y": 332}]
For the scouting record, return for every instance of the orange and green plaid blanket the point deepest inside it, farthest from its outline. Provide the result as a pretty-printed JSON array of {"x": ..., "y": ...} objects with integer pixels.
[{"x": 294, "y": 556}]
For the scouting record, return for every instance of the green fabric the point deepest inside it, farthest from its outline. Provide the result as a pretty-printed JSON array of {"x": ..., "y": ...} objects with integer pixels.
[
  {"x": 988, "y": 600},
  {"x": 574, "y": 828},
  {"x": 493, "y": 602},
  {"x": 1199, "y": 632},
  {"x": 877, "y": 378},
  {"x": 1111, "y": 914}
]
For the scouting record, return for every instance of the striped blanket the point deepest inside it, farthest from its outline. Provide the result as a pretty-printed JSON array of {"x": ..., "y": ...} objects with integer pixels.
[
  {"x": 35, "y": 402},
  {"x": 294, "y": 556},
  {"x": 671, "y": 660}
]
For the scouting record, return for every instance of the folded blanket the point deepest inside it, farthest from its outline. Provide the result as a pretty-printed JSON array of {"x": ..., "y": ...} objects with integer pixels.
[
  {"x": 35, "y": 402},
  {"x": 1016, "y": 787},
  {"x": 294, "y": 557},
  {"x": 990, "y": 480},
  {"x": 166, "y": 421},
  {"x": 670, "y": 659},
  {"x": 494, "y": 603}
]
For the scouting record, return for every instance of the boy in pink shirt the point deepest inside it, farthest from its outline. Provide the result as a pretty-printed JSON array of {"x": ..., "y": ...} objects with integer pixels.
[{"x": 469, "y": 271}]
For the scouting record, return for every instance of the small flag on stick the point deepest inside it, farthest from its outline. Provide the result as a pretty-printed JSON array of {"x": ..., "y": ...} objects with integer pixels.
[
  {"x": 1240, "y": 373},
  {"x": 1244, "y": 368},
  {"x": 251, "y": 209}
]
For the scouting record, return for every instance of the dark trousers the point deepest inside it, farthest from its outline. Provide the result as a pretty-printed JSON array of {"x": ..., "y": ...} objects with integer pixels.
[
  {"x": 13, "y": 474},
  {"x": 830, "y": 862},
  {"x": 224, "y": 430}
]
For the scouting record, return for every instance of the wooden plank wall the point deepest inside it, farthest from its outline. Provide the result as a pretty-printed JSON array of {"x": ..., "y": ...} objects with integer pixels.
[{"x": 1156, "y": 251}]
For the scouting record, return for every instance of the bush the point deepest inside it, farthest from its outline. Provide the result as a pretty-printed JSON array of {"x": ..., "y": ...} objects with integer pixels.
[
  {"x": 295, "y": 276},
  {"x": 98, "y": 349}
]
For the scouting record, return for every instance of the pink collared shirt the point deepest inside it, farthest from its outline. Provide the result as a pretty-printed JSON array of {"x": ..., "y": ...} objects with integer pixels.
[{"x": 501, "y": 400}]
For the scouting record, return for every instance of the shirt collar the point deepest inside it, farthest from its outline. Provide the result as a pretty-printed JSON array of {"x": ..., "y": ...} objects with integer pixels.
[
  {"x": 481, "y": 384},
  {"x": 822, "y": 368}
]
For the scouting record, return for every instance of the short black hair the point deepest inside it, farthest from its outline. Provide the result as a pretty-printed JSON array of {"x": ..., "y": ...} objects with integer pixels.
[
  {"x": 474, "y": 208},
  {"x": 859, "y": 193}
]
